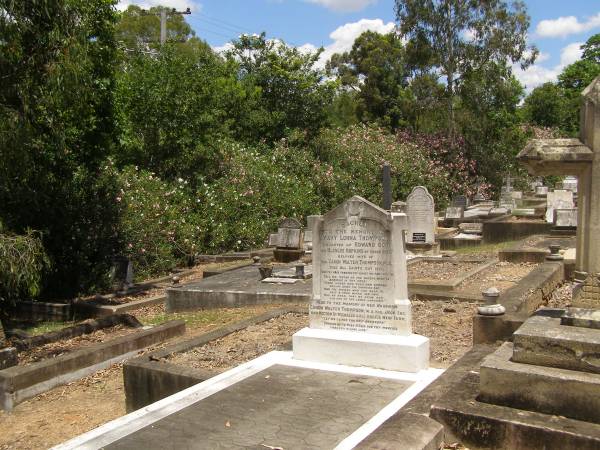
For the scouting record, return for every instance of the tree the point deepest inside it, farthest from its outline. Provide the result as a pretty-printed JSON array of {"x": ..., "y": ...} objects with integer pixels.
[
  {"x": 291, "y": 93},
  {"x": 57, "y": 62},
  {"x": 172, "y": 106},
  {"x": 546, "y": 106},
  {"x": 376, "y": 70},
  {"x": 137, "y": 28},
  {"x": 462, "y": 36}
]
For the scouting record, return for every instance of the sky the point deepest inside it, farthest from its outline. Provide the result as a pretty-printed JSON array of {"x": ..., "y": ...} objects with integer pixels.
[{"x": 558, "y": 27}]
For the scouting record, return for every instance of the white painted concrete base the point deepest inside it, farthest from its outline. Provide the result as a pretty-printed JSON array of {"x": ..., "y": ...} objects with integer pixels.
[
  {"x": 388, "y": 352},
  {"x": 123, "y": 426}
]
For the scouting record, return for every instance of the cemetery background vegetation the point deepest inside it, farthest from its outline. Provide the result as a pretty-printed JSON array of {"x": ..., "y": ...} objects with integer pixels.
[{"x": 110, "y": 145}]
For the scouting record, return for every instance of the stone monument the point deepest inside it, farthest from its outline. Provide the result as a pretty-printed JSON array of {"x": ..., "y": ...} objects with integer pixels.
[
  {"x": 581, "y": 158},
  {"x": 558, "y": 199},
  {"x": 360, "y": 314},
  {"x": 420, "y": 210},
  {"x": 289, "y": 241}
]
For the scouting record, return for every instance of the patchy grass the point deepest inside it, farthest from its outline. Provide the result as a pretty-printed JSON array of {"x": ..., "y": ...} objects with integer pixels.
[
  {"x": 486, "y": 248},
  {"x": 203, "y": 319},
  {"x": 47, "y": 327}
]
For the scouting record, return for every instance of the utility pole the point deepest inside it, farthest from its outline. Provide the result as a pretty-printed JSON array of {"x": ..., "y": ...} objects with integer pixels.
[{"x": 163, "y": 20}]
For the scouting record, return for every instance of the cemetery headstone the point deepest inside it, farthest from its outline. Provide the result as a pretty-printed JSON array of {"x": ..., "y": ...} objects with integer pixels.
[
  {"x": 541, "y": 191},
  {"x": 289, "y": 241},
  {"x": 570, "y": 184},
  {"x": 558, "y": 199},
  {"x": 399, "y": 207},
  {"x": 507, "y": 201},
  {"x": 360, "y": 313},
  {"x": 122, "y": 273},
  {"x": 454, "y": 212},
  {"x": 565, "y": 218},
  {"x": 460, "y": 201},
  {"x": 420, "y": 210}
]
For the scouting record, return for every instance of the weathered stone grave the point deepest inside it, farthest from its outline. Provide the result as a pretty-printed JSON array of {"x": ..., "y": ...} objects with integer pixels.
[
  {"x": 454, "y": 212},
  {"x": 565, "y": 218},
  {"x": 289, "y": 241},
  {"x": 460, "y": 201},
  {"x": 420, "y": 210},
  {"x": 360, "y": 314},
  {"x": 558, "y": 199}
]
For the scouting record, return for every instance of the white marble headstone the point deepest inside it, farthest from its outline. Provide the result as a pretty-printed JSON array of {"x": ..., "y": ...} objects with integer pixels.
[
  {"x": 359, "y": 271},
  {"x": 420, "y": 210}
]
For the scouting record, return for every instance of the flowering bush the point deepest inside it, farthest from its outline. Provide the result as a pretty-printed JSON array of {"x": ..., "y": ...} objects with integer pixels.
[
  {"x": 256, "y": 188},
  {"x": 350, "y": 163},
  {"x": 161, "y": 226}
]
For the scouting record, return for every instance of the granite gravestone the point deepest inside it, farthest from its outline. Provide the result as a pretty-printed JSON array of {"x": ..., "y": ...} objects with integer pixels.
[
  {"x": 460, "y": 201},
  {"x": 420, "y": 210},
  {"x": 454, "y": 212},
  {"x": 360, "y": 313}
]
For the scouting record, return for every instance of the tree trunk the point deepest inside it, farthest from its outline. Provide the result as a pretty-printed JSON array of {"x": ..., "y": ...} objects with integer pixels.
[
  {"x": 2, "y": 335},
  {"x": 451, "y": 118}
]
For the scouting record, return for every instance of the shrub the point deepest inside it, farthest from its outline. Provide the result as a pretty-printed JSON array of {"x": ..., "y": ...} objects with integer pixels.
[
  {"x": 161, "y": 225},
  {"x": 22, "y": 260}
]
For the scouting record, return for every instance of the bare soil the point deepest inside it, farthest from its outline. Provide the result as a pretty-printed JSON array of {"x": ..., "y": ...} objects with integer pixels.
[
  {"x": 244, "y": 345},
  {"x": 443, "y": 270},
  {"x": 54, "y": 349},
  {"x": 502, "y": 275}
]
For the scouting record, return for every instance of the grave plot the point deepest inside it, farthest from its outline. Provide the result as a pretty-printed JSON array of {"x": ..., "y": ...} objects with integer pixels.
[
  {"x": 443, "y": 273},
  {"x": 50, "y": 360},
  {"x": 502, "y": 275}
]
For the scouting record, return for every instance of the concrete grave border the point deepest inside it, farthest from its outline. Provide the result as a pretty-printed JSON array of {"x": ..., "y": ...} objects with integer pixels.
[
  {"x": 452, "y": 283},
  {"x": 20, "y": 383},
  {"x": 147, "y": 379}
]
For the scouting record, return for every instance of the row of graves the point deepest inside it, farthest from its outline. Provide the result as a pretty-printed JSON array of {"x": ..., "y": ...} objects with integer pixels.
[{"x": 357, "y": 375}]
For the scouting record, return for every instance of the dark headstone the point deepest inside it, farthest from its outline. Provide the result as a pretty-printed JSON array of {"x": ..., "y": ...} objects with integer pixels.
[
  {"x": 460, "y": 201},
  {"x": 387, "y": 187}
]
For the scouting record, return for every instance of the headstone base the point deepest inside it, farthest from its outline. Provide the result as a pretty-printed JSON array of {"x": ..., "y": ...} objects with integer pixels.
[
  {"x": 389, "y": 352},
  {"x": 287, "y": 255},
  {"x": 423, "y": 249}
]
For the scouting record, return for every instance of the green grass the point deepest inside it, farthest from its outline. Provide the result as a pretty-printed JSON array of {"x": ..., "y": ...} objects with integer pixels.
[
  {"x": 47, "y": 327},
  {"x": 486, "y": 248},
  {"x": 197, "y": 319}
]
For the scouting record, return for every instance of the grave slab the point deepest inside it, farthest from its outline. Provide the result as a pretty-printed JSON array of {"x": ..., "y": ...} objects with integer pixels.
[
  {"x": 548, "y": 390},
  {"x": 581, "y": 317},
  {"x": 272, "y": 401}
]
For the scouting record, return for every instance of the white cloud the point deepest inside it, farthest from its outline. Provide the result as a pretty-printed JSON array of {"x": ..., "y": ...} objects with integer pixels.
[
  {"x": 223, "y": 48},
  {"x": 343, "y": 37},
  {"x": 564, "y": 26},
  {"x": 344, "y": 5},
  {"x": 571, "y": 53},
  {"x": 180, "y": 5},
  {"x": 537, "y": 75}
]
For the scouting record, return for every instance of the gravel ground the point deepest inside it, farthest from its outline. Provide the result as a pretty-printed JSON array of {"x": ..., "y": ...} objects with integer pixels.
[
  {"x": 55, "y": 349},
  {"x": 443, "y": 270},
  {"x": 501, "y": 275},
  {"x": 244, "y": 345},
  {"x": 562, "y": 296}
]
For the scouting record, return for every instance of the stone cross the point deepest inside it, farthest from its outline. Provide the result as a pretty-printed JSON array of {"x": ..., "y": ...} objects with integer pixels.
[{"x": 581, "y": 158}]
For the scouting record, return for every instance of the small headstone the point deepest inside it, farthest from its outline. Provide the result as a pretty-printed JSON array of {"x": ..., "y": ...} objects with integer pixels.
[
  {"x": 399, "y": 207},
  {"x": 507, "y": 201},
  {"x": 471, "y": 228},
  {"x": 421, "y": 211},
  {"x": 274, "y": 240},
  {"x": 565, "y": 218},
  {"x": 478, "y": 198},
  {"x": 122, "y": 273},
  {"x": 570, "y": 184},
  {"x": 460, "y": 201},
  {"x": 289, "y": 234},
  {"x": 558, "y": 199},
  {"x": 541, "y": 191},
  {"x": 517, "y": 195},
  {"x": 454, "y": 212}
]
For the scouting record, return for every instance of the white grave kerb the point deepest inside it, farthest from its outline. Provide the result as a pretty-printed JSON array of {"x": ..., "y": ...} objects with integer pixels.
[{"x": 360, "y": 313}]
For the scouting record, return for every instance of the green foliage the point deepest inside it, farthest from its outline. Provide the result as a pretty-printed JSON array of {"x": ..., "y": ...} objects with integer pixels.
[
  {"x": 546, "y": 106},
  {"x": 172, "y": 106},
  {"x": 257, "y": 187},
  {"x": 290, "y": 93},
  {"x": 161, "y": 226},
  {"x": 461, "y": 37},
  {"x": 376, "y": 70},
  {"x": 141, "y": 29},
  {"x": 22, "y": 260},
  {"x": 56, "y": 128}
]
